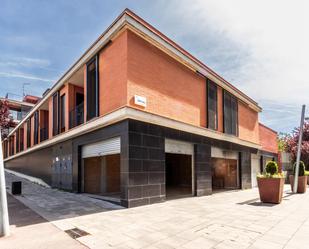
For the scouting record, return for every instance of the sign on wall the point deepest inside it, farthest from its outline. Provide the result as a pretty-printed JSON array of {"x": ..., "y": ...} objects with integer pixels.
[{"x": 139, "y": 100}]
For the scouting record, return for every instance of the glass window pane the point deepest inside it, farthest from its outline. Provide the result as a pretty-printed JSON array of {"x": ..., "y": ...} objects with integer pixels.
[{"x": 212, "y": 105}]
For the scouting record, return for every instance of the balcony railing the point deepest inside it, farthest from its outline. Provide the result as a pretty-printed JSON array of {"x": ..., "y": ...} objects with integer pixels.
[
  {"x": 43, "y": 134},
  {"x": 77, "y": 115}
]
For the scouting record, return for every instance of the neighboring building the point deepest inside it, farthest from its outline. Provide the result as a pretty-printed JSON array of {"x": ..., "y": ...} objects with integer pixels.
[
  {"x": 138, "y": 119},
  {"x": 19, "y": 108}
]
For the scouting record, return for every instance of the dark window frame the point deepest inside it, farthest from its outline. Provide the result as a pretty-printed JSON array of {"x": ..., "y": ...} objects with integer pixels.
[
  {"x": 29, "y": 133},
  {"x": 36, "y": 128},
  {"x": 212, "y": 84},
  {"x": 5, "y": 147},
  {"x": 11, "y": 145},
  {"x": 62, "y": 109},
  {"x": 55, "y": 114},
  {"x": 17, "y": 141},
  {"x": 21, "y": 139},
  {"x": 229, "y": 130},
  {"x": 89, "y": 114}
]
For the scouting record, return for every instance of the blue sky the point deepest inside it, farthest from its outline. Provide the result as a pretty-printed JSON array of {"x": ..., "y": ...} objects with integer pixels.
[{"x": 259, "y": 46}]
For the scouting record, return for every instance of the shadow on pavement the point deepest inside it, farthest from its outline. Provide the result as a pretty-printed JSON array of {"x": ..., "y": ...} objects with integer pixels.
[{"x": 20, "y": 215}]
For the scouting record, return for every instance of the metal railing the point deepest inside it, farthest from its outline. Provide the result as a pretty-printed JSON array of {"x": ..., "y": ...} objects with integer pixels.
[
  {"x": 76, "y": 116},
  {"x": 43, "y": 134}
]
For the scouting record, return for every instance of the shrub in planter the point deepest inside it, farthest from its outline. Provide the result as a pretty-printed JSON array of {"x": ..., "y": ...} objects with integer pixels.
[
  {"x": 302, "y": 178},
  {"x": 271, "y": 184}
]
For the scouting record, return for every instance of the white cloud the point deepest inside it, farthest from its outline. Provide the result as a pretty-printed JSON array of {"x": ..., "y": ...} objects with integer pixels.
[
  {"x": 259, "y": 46},
  {"x": 26, "y": 62},
  {"x": 24, "y": 76}
]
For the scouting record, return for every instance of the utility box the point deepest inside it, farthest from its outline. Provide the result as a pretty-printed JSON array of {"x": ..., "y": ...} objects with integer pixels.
[{"x": 16, "y": 188}]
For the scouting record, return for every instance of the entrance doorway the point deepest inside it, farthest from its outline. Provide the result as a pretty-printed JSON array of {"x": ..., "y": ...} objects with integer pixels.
[
  {"x": 224, "y": 173},
  {"x": 178, "y": 173},
  {"x": 101, "y": 176}
]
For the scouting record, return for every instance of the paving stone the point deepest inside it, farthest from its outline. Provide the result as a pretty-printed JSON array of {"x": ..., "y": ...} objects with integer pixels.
[{"x": 219, "y": 221}]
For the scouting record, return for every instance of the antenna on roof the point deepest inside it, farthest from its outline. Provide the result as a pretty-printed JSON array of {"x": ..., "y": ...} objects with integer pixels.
[{"x": 25, "y": 84}]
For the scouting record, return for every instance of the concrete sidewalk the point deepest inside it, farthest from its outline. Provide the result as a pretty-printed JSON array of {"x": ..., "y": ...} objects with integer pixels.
[
  {"x": 29, "y": 230},
  {"x": 233, "y": 219}
]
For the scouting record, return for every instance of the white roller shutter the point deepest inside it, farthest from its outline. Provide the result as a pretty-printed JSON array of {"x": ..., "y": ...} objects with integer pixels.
[
  {"x": 178, "y": 147},
  {"x": 102, "y": 148},
  {"x": 226, "y": 154},
  {"x": 255, "y": 168}
]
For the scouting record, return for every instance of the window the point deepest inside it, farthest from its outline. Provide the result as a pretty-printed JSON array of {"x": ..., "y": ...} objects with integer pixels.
[
  {"x": 230, "y": 111},
  {"x": 21, "y": 138},
  {"x": 17, "y": 141},
  {"x": 92, "y": 89},
  {"x": 28, "y": 133},
  {"x": 12, "y": 146},
  {"x": 36, "y": 127},
  {"x": 62, "y": 113},
  {"x": 56, "y": 113},
  {"x": 5, "y": 148},
  {"x": 212, "y": 114}
]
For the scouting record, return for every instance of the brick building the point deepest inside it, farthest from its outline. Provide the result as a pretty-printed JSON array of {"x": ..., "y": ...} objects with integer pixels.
[{"x": 137, "y": 119}]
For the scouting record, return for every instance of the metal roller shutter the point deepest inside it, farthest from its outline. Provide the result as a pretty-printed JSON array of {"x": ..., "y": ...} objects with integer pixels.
[
  {"x": 102, "y": 148},
  {"x": 178, "y": 147}
]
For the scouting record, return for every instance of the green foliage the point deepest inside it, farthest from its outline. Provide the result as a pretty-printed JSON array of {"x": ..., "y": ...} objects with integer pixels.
[
  {"x": 302, "y": 168},
  {"x": 271, "y": 168},
  {"x": 267, "y": 175},
  {"x": 282, "y": 141}
]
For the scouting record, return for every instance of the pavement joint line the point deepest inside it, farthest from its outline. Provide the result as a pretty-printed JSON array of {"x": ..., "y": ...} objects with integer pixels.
[{"x": 285, "y": 245}]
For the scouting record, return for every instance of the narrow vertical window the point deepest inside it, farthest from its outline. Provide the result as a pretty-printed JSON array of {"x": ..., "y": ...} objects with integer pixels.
[
  {"x": 212, "y": 102},
  {"x": 92, "y": 89},
  {"x": 21, "y": 137},
  {"x": 62, "y": 113},
  {"x": 36, "y": 127},
  {"x": 28, "y": 133},
  {"x": 55, "y": 113},
  {"x": 5, "y": 148},
  {"x": 230, "y": 112},
  {"x": 12, "y": 146},
  {"x": 17, "y": 141}
]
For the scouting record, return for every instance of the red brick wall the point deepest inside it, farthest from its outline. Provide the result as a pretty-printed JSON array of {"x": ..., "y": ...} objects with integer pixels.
[
  {"x": 171, "y": 89},
  {"x": 248, "y": 123},
  {"x": 113, "y": 75},
  {"x": 268, "y": 139}
]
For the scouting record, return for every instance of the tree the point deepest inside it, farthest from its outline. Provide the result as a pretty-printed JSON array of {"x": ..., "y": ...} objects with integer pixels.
[
  {"x": 6, "y": 120},
  {"x": 282, "y": 141},
  {"x": 292, "y": 143}
]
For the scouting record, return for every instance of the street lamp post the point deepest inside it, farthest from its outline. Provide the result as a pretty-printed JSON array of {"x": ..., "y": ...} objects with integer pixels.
[
  {"x": 4, "y": 215},
  {"x": 299, "y": 149}
]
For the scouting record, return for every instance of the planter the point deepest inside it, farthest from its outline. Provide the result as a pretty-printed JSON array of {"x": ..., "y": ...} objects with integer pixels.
[
  {"x": 302, "y": 183},
  {"x": 307, "y": 180},
  {"x": 270, "y": 189}
]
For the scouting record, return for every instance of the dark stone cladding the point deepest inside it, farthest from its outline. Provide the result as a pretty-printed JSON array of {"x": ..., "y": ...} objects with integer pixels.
[
  {"x": 142, "y": 160},
  {"x": 114, "y": 130},
  {"x": 144, "y": 168}
]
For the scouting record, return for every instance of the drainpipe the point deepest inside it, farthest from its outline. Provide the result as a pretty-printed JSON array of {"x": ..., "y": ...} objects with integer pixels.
[
  {"x": 299, "y": 149},
  {"x": 4, "y": 215}
]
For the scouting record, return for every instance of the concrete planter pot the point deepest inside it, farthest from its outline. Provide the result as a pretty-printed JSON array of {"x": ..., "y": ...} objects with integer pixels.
[
  {"x": 270, "y": 189},
  {"x": 302, "y": 184}
]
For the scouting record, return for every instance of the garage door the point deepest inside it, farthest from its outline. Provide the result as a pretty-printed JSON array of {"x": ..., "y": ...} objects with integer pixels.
[
  {"x": 255, "y": 168},
  {"x": 102, "y": 148}
]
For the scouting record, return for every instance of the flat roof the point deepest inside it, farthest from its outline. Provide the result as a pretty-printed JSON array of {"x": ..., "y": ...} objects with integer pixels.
[{"x": 128, "y": 17}]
